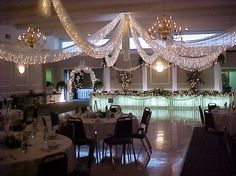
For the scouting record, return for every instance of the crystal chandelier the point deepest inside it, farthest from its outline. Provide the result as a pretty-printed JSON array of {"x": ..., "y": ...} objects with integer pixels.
[
  {"x": 164, "y": 28},
  {"x": 32, "y": 38}
]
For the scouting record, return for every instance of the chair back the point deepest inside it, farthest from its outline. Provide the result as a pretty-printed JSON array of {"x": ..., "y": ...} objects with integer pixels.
[
  {"x": 44, "y": 121},
  {"x": 209, "y": 120},
  {"x": 201, "y": 115},
  {"x": 28, "y": 115},
  {"x": 115, "y": 108},
  {"x": 211, "y": 106},
  {"x": 145, "y": 120},
  {"x": 79, "y": 132},
  {"x": 124, "y": 127},
  {"x": 231, "y": 148},
  {"x": 67, "y": 129},
  {"x": 83, "y": 109},
  {"x": 54, "y": 118},
  {"x": 55, "y": 164}
]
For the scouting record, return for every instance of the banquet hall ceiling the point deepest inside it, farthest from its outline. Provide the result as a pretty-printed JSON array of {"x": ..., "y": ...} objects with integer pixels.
[{"x": 199, "y": 16}]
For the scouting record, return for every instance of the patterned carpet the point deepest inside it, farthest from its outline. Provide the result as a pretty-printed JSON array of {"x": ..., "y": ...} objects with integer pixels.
[{"x": 206, "y": 156}]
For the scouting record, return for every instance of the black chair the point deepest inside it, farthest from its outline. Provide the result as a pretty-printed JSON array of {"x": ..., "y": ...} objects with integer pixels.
[
  {"x": 115, "y": 108},
  {"x": 44, "y": 121},
  {"x": 54, "y": 117},
  {"x": 141, "y": 134},
  {"x": 211, "y": 106},
  {"x": 201, "y": 115},
  {"x": 55, "y": 164},
  {"x": 83, "y": 109},
  {"x": 79, "y": 136},
  {"x": 28, "y": 115},
  {"x": 18, "y": 125},
  {"x": 231, "y": 148},
  {"x": 66, "y": 129},
  {"x": 210, "y": 126},
  {"x": 122, "y": 136}
]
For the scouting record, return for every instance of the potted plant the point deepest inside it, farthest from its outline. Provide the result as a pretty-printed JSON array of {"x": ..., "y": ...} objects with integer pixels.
[
  {"x": 98, "y": 85},
  {"x": 49, "y": 84},
  {"x": 60, "y": 85}
]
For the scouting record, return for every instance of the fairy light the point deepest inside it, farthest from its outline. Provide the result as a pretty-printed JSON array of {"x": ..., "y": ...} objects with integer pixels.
[
  {"x": 127, "y": 69},
  {"x": 44, "y": 7},
  {"x": 197, "y": 55},
  {"x": 79, "y": 70},
  {"x": 170, "y": 51},
  {"x": 89, "y": 48}
]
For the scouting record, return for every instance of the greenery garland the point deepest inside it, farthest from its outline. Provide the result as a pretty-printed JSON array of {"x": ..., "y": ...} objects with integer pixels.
[{"x": 162, "y": 92}]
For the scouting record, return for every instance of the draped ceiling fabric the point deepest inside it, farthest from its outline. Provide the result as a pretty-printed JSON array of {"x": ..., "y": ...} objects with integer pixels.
[{"x": 191, "y": 56}]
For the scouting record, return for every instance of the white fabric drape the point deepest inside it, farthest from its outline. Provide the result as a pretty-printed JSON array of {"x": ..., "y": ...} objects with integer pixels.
[{"x": 194, "y": 55}]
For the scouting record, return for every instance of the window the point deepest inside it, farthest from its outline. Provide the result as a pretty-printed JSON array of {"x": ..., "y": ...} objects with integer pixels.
[
  {"x": 185, "y": 37},
  {"x": 49, "y": 75}
]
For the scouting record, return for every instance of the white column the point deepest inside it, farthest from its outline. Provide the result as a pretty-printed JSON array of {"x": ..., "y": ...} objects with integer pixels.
[
  {"x": 106, "y": 79},
  {"x": 174, "y": 78},
  {"x": 125, "y": 39},
  {"x": 217, "y": 78},
  {"x": 144, "y": 74}
]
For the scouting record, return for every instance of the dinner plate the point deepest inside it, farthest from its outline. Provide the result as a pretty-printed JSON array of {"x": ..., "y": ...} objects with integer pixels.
[
  {"x": 53, "y": 145},
  {"x": 52, "y": 136}
]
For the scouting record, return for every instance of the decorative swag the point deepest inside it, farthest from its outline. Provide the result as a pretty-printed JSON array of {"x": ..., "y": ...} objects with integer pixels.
[{"x": 191, "y": 56}]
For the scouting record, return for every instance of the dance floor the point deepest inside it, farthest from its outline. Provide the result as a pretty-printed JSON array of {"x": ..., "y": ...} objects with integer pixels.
[{"x": 169, "y": 139}]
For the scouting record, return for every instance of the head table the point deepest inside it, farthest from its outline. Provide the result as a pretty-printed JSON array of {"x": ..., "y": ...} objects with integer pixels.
[{"x": 13, "y": 162}]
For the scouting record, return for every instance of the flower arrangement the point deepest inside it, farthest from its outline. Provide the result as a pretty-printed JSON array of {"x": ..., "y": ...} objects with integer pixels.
[
  {"x": 194, "y": 80},
  {"x": 98, "y": 85}
]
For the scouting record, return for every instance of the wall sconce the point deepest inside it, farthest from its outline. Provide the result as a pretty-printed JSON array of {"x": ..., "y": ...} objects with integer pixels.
[
  {"x": 159, "y": 67},
  {"x": 21, "y": 68}
]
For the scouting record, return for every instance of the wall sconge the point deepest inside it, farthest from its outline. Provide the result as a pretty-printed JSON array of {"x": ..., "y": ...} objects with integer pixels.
[
  {"x": 21, "y": 68},
  {"x": 159, "y": 67}
]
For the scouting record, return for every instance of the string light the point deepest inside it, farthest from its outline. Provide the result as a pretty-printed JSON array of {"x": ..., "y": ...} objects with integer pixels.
[
  {"x": 87, "y": 47},
  {"x": 77, "y": 74},
  {"x": 44, "y": 7},
  {"x": 125, "y": 79},
  {"x": 127, "y": 69},
  {"x": 171, "y": 50},
  {"x": 197, "y": 55}
]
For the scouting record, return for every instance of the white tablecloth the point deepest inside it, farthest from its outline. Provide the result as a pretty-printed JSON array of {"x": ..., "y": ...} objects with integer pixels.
[
  {"x": 225, "y": 118},
  {"x": 26, "y": 164},
  {"x": 105, "y": 127}
]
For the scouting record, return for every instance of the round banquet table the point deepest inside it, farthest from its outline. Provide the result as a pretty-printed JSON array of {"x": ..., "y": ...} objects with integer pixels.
[
  {"x": 225, "y": 118},
  {"x": 105, "y": 127},
  {"x": 13, "y": 162}
]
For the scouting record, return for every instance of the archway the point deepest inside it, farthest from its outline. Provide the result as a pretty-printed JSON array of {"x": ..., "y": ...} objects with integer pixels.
[{"x": 76, "y": 70}]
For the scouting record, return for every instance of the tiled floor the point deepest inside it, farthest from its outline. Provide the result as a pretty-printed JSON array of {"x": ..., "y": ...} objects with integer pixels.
[{"x": 169, "y": 140}]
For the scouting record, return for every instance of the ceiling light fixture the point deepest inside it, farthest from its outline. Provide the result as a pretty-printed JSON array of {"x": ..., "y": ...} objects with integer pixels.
[
  {"x": 165, "y": 28},
  {"x": 32, "y": 38}
]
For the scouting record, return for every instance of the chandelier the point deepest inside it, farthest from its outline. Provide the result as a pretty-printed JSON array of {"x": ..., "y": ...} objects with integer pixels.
[
  {"x": 164, "y": 28},
  {"x": 32, "y": 38}
]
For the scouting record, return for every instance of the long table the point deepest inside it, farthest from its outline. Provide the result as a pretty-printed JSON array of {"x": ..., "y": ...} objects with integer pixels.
[{"x": 180, "y": 107}]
